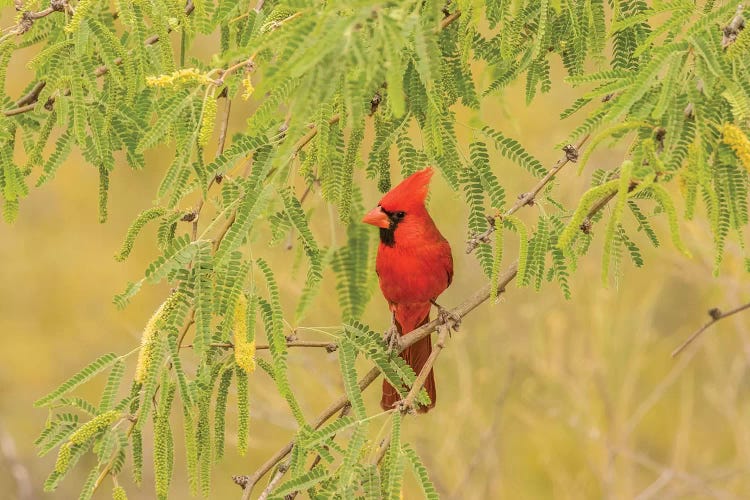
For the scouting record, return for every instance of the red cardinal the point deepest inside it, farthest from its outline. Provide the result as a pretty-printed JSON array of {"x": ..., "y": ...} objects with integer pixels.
[{"x": 414, "y": 265}]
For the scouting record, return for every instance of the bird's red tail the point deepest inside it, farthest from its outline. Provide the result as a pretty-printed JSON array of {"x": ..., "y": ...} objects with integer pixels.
[{"x": 415, "y": 355}]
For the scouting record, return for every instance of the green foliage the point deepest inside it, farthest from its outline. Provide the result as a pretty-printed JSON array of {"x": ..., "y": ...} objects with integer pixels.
[
  {"x": 339, "y": 91},
  {"x": 428, "y": 489},
  {"x": 84, "y": 375}
]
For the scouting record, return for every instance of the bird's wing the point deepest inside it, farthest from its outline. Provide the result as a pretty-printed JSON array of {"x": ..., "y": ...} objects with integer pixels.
[{"x": 446, "y": 259}]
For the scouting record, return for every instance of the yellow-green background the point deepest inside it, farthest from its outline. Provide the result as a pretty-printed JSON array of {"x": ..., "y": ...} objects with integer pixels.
[{"x": 539, "y": 397}]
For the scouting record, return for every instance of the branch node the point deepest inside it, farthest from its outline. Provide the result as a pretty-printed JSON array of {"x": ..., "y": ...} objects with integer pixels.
[
  {"x": 241, "y": 481},
  {"x": 375, "y": 102},
  {"x": 27, "y": 21},
  {"x": 715, "y": 313},
  {"x": 732, "y": 30},
  {"x": 571, "y": 152},
  {"x": 58, "y": 5},
  {"x": 332, "y": 347},
  {"x": 189, "y": 216},
  {"x": 527, "y": 198}
]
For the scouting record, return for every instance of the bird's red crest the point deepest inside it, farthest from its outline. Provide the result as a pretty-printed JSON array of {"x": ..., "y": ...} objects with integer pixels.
[{"x": 411, "y": 192}]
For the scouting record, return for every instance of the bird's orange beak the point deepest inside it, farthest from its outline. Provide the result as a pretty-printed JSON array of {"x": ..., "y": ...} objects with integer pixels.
[{"x": 377, "y": 217}]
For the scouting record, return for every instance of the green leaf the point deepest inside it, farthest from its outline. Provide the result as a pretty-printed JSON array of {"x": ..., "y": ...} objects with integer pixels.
[
  {"x": 428, "y": 489},
  {"x": 84, "y": 375},
  {"x": 301, "y": 483},
  {"x": 248, "y": 212}
]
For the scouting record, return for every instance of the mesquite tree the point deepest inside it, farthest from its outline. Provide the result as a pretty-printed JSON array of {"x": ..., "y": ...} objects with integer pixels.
[{"x": 338, "y": 87}]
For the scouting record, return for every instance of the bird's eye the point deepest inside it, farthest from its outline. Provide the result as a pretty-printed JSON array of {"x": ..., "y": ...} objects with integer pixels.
[{"x": 400, "y": 215}]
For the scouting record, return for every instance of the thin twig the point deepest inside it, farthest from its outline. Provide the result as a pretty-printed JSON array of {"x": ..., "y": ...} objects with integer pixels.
[
  {"x": 407, "y": 404},
  {"x": 382, "y": 449},
  {"x": 571, "y": 155},
  {"x": 449, "y": 19},
  {"x": 20, "y": 110},
  {"x": 328, "y": 346},
  {"x": 311, "y": 135},
  {"x": 33, "y": 94},
  {"x": 344, "y": 412},
  {"x": 716, "y": 316},
  {"x": 195, "y": 214},
  {"x": 250, "y": 481},
  {"x": 280, "y": 470}
]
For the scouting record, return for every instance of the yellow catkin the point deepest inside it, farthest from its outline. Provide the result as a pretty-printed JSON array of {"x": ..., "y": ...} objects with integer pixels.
[
  {"x": 96, "y": 424},
  {"x": 149, "y": 336},
  {"x": 181, "y": 76},
  {"x": 277, "y": 17},
  {"x": 738, "y": 141},
  {"x": 118, "y": 493},
  {"x": 244, "y": 351},
  {"x": 207, "y": 120},
  {"x": 247, "y": 84},
  {"x": 83, "y": 9},
  {"x": 63, "y": 459}
]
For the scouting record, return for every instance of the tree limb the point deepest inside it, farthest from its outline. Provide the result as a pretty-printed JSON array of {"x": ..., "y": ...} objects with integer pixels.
[
  {"x": 571, "y": 155},
  {"x": 716, "y": 316},
  {"x": 407, "y": 404}
]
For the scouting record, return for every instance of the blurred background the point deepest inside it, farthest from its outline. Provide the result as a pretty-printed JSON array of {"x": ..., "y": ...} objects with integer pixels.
[{"x": 539, "y": 397}]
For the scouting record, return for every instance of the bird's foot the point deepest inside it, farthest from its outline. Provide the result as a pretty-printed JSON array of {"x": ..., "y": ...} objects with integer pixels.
[
  {"x": 446, "y": 317},
  {"x": 390, "y": 337}
]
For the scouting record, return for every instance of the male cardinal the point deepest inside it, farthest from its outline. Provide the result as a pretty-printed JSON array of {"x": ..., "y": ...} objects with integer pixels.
[{"x": 414, "y": 265}]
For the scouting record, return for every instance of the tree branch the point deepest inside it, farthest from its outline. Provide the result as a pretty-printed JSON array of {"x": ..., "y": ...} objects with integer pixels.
[
  {"x": 449, "y": 19},
  {"x": 247, "y": 482},
  {"x": 33, "y": 94},
  {"x": 407, "y": 404},
  {"x": 27, "y": 103},
  {"x": 716, "y": 316},
  {"x": 571, "y": 155},
  {"x": 328, "y": 346},
  {"x": 280, "y": 470},
  {"x": 195, "y": 214}
]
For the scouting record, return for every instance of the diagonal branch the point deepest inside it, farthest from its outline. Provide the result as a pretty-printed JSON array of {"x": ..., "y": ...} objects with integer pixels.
[
  {"x": 716, "y": 316},
  {"x": 407, "y": 404},
  {"x": 247, "y": 482},
  {"x": 571, "y": 155}
]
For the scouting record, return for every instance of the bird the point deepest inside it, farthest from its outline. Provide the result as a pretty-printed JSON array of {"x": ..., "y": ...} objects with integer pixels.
[{"x": 414, "y": 265}]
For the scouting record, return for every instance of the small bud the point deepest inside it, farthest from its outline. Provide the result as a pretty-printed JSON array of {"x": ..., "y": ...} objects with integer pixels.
[{"x": 571, "y": 153}]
